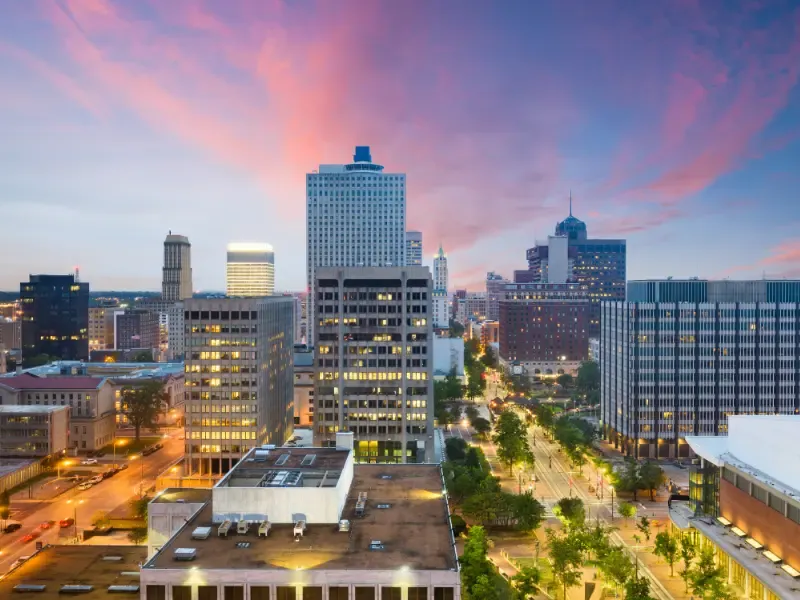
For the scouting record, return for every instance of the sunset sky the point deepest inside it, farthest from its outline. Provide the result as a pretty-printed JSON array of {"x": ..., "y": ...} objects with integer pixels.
[{"x": 676, "y": 124}]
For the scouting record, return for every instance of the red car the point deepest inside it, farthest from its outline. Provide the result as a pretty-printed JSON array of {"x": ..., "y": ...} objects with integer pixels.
[
  {"x": 47, "y": 524},
  {"x": 30, "y": 537},
  {"x": 66, "y": 522}
]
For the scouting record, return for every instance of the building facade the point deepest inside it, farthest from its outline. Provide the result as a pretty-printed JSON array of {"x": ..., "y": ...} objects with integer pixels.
[
  {"x": 176, "y": 282},
  {"x": 678, "y": 368},
  {"x": 97, "y": 328},
  {"x": 495, "y": 284},
  {"x": 413, "y": 248},
  {"x": 304, "y": 386},
  {"x": 356, "y": 216},
  {"x": 544, "y": 327},
  {"x": 239, "y": 376},
  {"x": 10, "y": 333},
  {"x": 250, "y": 270},
  {"x": 90, "y": 400},
  {"x": 33, "y": 431},
  {"x": 374, "y": 361},
  {"x": 441, "y": 297},
  {"x": 137, "y": 328}
]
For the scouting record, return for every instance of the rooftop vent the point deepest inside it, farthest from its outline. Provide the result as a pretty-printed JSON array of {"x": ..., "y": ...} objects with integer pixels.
[
  {"x": 309, "y": 459},
  {"x": 112, "y": 558},
  {"x": 242, "y": 544},
  {"x": 386, "y": 476},
  {"x": 75, "y": 589},
  {"x": 201, "y": 533},
  {"x": 344, "y": 525},
  {"x": 185, "y": 553},
  {"x": 123, "y": 589},
  {"x": 261, "y": 455},
  {"x": 376, "y": 546},
  {"x": 383, "y": 506},
  {"x": 282, "y": 460},
  {"x": 26, "y": 588}
]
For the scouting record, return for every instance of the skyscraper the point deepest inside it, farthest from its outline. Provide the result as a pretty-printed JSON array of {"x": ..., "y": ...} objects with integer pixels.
[
  {"x": 441, "y": 301},
  {"x": 250, "y": 271},
  {"x": 55, "y": 317},
  {"x": 413, "y": 248},
  {"x": 176, "y": 283},
  {"x": 356, "y": 216},
  {"x": 239, "y": 370}
]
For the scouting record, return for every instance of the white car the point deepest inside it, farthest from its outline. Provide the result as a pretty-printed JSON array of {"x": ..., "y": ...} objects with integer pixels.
[
  {"x": 89, "y": 461},
  {"x": 96, "y": 479},
  {"x": 85, "y": 485}
]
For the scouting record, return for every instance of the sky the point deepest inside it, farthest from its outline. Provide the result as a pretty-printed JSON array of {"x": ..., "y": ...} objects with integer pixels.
[{"x": 675, "y": 125}]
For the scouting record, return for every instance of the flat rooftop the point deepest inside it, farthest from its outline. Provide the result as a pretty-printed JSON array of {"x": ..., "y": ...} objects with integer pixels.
[
  {"x": 405, "y": 512},
  {"x": 19, "y": 409},
  {"x": 179, "y": 495},
  {"x": 288, "y": 467},
  {"x": 56, "y": 566}
]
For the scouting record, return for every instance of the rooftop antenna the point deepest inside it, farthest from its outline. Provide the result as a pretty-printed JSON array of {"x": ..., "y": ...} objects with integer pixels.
[
  {"x": 570, "y": 203},
  {"x": 77, "y": 274}
]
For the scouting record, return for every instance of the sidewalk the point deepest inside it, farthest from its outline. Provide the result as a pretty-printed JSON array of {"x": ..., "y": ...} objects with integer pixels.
[{"x": 43, "y": 490}]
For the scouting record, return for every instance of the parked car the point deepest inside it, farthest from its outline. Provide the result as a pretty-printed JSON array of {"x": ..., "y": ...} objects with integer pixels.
[
  {"x": 12, "y": 527},
  {"x": 30, "y": 537},
  {"x": 18, "y": 562},
  {"x": 85, "y": 485},
  {"x": 96, "y": 479},
  {"x": 123, "y": 466},
  {"x": 109, "y": 473},
  {"x": 47, "y": 525},
  {"x": 66, "y": 522},
  {"x": 89, "y": 461}
]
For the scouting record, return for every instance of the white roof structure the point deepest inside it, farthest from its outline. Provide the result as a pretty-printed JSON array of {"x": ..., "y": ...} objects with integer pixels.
[{"x": 763, "y": 445}]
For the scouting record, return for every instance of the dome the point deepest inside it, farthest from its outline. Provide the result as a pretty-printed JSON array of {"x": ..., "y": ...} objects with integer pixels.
[{"x": 571, "y": 227}]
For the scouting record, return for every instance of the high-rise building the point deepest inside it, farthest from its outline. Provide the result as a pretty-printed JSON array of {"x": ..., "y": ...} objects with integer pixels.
[
  {"x": 373, "y": 336},
  {"x": 543, "y": 327},
  {"x": 686, "y": 354},
  {"x": 10, "y": 333},
  {"x": 55, "y": 317},
  {"x": 356, "y": 216},
  {"x": 413, "y": 248},
  {"x": 495, "y": 284},
  {"x": 177, "y": 278},
  {"x": 137, "y": 328},
  {"x": 239, "y": 373},
  {"x": 441, "y": 297},
  {"x": 598, "y": 265},
  {"x": 250, "y": 271}
]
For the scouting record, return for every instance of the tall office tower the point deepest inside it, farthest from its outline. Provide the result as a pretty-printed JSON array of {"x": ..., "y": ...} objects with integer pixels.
[
  {"x": 687, "y": 353},
  {"x": 374, "y": 360},
  {"x": 413, "y": 248},
  {"x": 239, "y": 374},
  {"x": 55, "y": 317},
  {"x": 494, "y": 291},
  {"x": 250, "y": 270},
  {"x": 176, "y": 283},
  {"x": 543, "y": 327},
  {"x": 137, "y": 328},
  {"x": 441, "y": 298},
  {"x": 356, "y": 216}
]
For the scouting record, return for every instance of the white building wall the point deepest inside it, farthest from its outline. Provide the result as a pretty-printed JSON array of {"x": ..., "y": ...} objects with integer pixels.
[
  {"x": 448, "y": 354},
  {"x": 558, "y": 270},
  {"x": 441, "y": 309}
]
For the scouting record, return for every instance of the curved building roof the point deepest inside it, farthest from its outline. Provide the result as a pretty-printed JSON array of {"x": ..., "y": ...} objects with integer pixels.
[{"x": 571, "y": 227}]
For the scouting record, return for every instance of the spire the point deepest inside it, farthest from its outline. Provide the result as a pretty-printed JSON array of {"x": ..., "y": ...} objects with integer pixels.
[
  {"x": 570, "y": 203},
  {"x": 441, "y": 251}
]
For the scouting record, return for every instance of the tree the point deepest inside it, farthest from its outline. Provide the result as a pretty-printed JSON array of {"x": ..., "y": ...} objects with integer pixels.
[
  {"x": 545, "y": 417},
  {"x": 651, "y": 477},
  {"x": 474, "y": 563},
  {"x": 565, "y": 381},
  {"x": 471, "y": 413},
  {"x": 489, "y": 358},
  {"x": 482, "y": 427},
  {"x": 456, "y": 329},
  {"x": 571, "y": 511},
  {"x": 456, "y": 448},
  {"x": 688, "y": 552},
  {"x": 5, "y": 507},
  {"x": 566, "y": 558},
  {"x": 139, "y": 507},
  {"x": 528, "y": 512},
  {"x": 143, "y": 356},
  {"x": 707, "y": 575},
  {"x": 512, "y": 440},
  {"x": 629, "y": 479},
  {"x": 143, "y": 404},
  {"x": 137, "y": 535},
  {"x": 666, "y": 547},
  {"x": 588, "y": 379},
  {"x": 526, "y": 581},
  {"x": 483, "y": 589},
  {"x": 616, "y": 567},
  {"x": 627, "y": 510},
  {"x": 637, "y": 588},
  {"x": 644, "y": 526}
]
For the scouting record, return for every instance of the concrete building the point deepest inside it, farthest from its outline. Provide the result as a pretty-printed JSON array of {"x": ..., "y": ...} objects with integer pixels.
[
  {"x": 690, "y": 354},
  {"x": 594, "y": 349},
  {"x": 55, "y": 317},
  {"x": 250, "y": 270},
  {"x": 176, "y": 282},
  {"x": 448, "y": 357},
  {"x": 472, "y": 307},
  {"x": 97, "y": 328},
  {"x": 312, "y": 525},
  {"x": 168, "y": 513},
  {"x": 413, "y": 248},
  {"x": 494, "y": 291},
  {"x": 744, "y": 503},
  {"x": 304, "y": 386},
  {"x": 490, "y": 333},
  {"x": 239, "y": 376},
  {"x": 33, "y": 431},
  {"x": 90, "y": 399},
  {"x": 373, "y": 352},
  {"x": 137, "y": 328},
  {"x": 173, "y": 409},
  {"x": 356, "y": 216},
  {"x": 171, "y": 328},
  {"x": 10, "y": 333},
  {"x": 441, "y": 297},
  {"x": 544, "y": 327}
]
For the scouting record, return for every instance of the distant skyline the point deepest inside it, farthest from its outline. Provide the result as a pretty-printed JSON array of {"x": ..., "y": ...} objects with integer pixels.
[{"x": 675, "y": 124}]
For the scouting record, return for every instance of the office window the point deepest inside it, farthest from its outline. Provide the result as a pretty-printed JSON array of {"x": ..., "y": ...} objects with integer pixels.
[
  {"x": 259, "y": 592},
  {"x": 181, "y": 592},
  {"x": 234, "y": 592},
  {"x": 365, "y": 593},
  {"x": 156, "y": 592},
  {"x": 283, "y": 592},
  {"x": 443, "y": 593},
  {"x": 312, "y": 593},
  {"x": 391, "y": 593},
  {"x": 207, "y": 592},
  {"x": 417, "y": 593},
  {"x": 338, "y": 593}
]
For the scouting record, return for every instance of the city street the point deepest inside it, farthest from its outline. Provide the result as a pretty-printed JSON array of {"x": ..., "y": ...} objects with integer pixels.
[{"x": 104, "y": 497}]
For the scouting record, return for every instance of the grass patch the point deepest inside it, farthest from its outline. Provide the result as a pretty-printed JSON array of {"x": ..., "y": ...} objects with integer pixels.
[
  {"x": 131, "y": 446},
  {"x": 32, "y": 481}
]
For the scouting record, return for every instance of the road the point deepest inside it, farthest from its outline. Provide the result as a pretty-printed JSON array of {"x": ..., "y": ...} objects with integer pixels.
[{"x": 104, "y": 497}]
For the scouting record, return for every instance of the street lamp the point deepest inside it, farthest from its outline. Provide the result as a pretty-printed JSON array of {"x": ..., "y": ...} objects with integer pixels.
[
  {"x": 63, "y": 463},
  {"x": 75, "y": 504},
  {"x": 121, "y": 443},
  {"x": 141, "y": 481}
]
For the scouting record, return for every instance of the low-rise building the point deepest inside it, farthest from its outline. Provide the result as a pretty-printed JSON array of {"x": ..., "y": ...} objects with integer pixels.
[
  {"x": 308, "y": 523},
  {"x": 448, "y": 357},
  {"x": 90, "y": 399},
  {"x": 10, "y": 333},
  {"x": 33, "y": 431},
  {"x": 304, "y": 386},
  {"x": 744, "y": 503}
]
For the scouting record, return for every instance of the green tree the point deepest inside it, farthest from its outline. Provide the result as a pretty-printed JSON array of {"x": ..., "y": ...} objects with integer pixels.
[
  {"x": 566, "y": 380},
  {"x": 143, "y": 356},
  {"x": 484, "y": 506},
  {"x": 644, "y": 526},
  {"x": 512, "y": 440},
  {"x": 142, "y": 405},
  {"x": 456, "y": 329},
  {"x": 139, "y": 507},
  {"x": 616, "y": 567},
  {"x": 137, "y": 535},
  {"x": 666, "y": 546},
  {"x": 528, "y": 512},
  {"x": 483, "y": 589},
  {"x": 545, "y": 417},
  {"x": 629, "y": 479},
  {"x": 588, "y": 380},
  {"x": 526, "y": 582},
  {"x": 627, "y": 510},
  {"x": 474, "y": 563},
  {"x": 707, "y": 576},
  {"x": 489, "y": 358},
  {"x": 596, "y": 540},
  {"x": 471, "y": 413},
  {"x": 651, "y": 477},
  {"x": 637, "y": 588},
  {"x": 571, "y": 511},
  {"x": 456, "y": 448},
  {"x": 688, "y": 552},
  {"x": 482, "y": 427},
  {"x": 566, "y": 558},
  {"x": 444, "y": 416}
]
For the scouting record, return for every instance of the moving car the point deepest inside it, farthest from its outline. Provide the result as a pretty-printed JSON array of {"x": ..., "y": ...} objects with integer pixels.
[
  {"x": 30, "y": 537},
  {"x": 12, "y": 527},
  {"x": 47, "y": 525},
  {"x": 66, "y": 522},
  {"x": 85, "y": 485},
  {"x": 19, "y": 561},
  {"x": 89, "y": 461}
]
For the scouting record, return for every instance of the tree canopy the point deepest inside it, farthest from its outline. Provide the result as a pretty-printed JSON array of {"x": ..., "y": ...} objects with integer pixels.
[
  {"x": 511, "y": 437},
  {"x": 142, "y": 405}
]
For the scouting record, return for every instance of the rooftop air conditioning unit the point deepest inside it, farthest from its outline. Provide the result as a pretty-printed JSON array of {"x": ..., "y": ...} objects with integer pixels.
[{"x": 185, "y": 553}]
